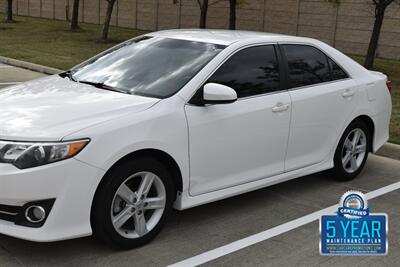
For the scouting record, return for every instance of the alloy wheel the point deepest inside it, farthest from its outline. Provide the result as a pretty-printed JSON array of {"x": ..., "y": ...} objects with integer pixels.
[
  {"x": 138, "y": 205},
  {"x": 354, "y": 150}
]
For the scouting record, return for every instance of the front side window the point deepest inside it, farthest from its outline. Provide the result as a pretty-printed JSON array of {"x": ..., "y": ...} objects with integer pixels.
[
  {"x": 307, "y": 65},
  {"x": 251, "y": 71},
  {"x": 149, "y": 66}
]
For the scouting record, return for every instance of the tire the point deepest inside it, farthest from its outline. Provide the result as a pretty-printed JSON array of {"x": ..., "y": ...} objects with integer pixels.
[
  {"x": 349, "y": 161},
  {"x": 114, "y": 204}
]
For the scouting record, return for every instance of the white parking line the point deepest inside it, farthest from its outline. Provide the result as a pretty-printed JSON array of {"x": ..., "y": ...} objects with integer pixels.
[{"x": 275, "y": 231}]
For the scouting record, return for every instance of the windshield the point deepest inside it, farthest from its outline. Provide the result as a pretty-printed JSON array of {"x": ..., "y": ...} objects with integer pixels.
[{"x": 148, "y": 66}]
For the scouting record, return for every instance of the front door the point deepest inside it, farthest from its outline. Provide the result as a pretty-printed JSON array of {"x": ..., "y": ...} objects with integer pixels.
[{"x": 232, "y": 144}]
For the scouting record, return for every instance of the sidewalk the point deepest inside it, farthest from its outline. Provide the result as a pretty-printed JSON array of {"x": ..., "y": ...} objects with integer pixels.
[{"x": 10, "y": 75}]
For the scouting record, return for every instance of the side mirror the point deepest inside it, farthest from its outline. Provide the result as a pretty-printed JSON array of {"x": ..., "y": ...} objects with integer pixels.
[{"x": 215, "y": 93}]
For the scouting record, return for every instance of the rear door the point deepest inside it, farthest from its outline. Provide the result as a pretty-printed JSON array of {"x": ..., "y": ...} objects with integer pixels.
[{"x": 323, "y": 97}]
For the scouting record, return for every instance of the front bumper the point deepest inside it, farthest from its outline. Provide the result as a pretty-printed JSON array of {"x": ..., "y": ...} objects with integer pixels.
[{"x": 71, "y": 183}]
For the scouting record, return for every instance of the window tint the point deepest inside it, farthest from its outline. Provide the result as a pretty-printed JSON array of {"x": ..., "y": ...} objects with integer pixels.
[
  {"x": 337, "y": 72},
  {"x": 251, "y": 71},
  {"x": 307, "y": 65},
  {"x": 151, "y": 66}
]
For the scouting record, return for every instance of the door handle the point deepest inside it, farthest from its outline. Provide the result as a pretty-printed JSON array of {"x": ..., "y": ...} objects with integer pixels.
[
  {"x": 348, "y": 93},
  {"x": 280, "y": 107}
]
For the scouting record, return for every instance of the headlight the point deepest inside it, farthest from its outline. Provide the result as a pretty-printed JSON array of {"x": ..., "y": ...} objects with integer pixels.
[{"x": 27, "y": 155}]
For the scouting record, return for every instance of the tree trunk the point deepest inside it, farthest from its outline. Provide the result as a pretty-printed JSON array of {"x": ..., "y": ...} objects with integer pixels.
[
  {"x": 10, "y": 11},
  {"x": 203, "y": 14},
  {"x": 67, "y": 12},
  {"x": 232, "y": 14},
  {"x": 75, "y": 14},
  {"x": 106, "y": 25},
  {"x": 373, "y": 43}
]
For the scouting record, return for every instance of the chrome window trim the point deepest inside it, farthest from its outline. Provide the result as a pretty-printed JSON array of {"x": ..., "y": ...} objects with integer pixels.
[
  {"x": 265, "y": 94},
  {"x": 317, "y": 84}
]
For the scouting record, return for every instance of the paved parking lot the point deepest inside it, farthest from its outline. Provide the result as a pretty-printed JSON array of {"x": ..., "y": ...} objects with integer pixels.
[
  {"x": 205, "y": 228},
  {"x": 10, "y": 75},
  {"x": 198, "y": 230}
]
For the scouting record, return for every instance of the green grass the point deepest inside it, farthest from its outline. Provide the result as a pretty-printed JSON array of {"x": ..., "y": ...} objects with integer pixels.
[
  {"x": 50, "y": 43},
  {"x": 392, "y": 69}
]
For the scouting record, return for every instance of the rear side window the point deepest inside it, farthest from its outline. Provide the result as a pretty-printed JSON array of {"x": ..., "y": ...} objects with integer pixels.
[
  {"x": 337, "y": 72},
  {"x": 251, "y": 71},
  {"x": 307, "y": 65}
]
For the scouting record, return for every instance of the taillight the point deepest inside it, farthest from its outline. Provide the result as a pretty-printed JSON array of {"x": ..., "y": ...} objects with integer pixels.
[{"x": 389, "y": 85}]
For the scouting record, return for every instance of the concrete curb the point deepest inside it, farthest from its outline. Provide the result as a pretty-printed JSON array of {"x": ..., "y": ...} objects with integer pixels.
[
  {"x": 389, "y": 150},
  {"x": 29, "y": 66}
]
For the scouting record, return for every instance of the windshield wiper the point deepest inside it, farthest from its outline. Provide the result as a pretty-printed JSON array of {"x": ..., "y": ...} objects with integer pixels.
[
  {"x": 104, "y": 86},
  {"x": 67, "y": 74}
]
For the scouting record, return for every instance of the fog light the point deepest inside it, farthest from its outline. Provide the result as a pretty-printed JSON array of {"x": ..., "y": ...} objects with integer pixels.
[{"x": 35, "y": 214}]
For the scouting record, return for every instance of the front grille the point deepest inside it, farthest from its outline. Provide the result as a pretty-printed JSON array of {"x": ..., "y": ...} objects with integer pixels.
[{"x": 9, "y": 213}]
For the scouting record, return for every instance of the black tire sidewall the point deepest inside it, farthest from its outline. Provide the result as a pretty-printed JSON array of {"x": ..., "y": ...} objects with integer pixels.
[
  {"x": 103, "y": 228},
  {"x": 340, "y": 173}
]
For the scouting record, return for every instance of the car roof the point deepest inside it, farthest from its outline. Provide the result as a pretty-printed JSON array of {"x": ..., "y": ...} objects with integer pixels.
[{"x": 223, "y": 37}]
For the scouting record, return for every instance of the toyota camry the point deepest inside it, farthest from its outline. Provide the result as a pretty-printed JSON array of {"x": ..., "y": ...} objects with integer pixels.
[{"x": 176, "y": 119}]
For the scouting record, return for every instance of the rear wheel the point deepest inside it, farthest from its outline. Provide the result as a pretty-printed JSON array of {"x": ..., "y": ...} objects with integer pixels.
[
  {"x": 133, "y": 203},
  {"x": 352, "y": 151}
]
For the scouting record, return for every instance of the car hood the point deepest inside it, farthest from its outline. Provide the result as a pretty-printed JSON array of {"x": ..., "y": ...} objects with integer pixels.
[{"x": 50, "y": 108}]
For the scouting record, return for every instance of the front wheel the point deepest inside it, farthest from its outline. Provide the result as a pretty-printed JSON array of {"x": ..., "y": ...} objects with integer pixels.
[
  {"x": 132, "y": 204},
  {"x": 352, "y": 151}
]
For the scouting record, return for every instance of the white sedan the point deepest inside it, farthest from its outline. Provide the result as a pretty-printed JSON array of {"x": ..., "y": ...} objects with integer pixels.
[{"x": 179, "y": 118}]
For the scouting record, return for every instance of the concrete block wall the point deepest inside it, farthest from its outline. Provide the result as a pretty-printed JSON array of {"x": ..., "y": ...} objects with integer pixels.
[
  {"x": 281, "y": 16},
  {"x": 346, "y": 26}
]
